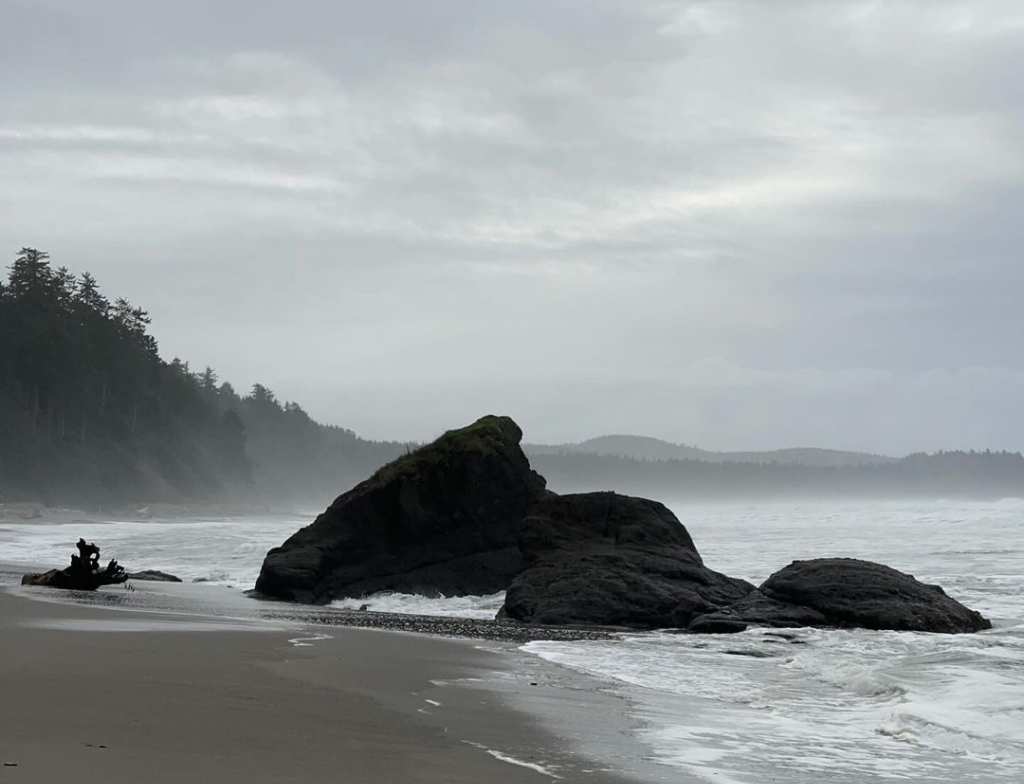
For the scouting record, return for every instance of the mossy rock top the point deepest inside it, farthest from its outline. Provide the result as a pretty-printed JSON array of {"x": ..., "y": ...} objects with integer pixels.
[{"x": 489, "y": 436}]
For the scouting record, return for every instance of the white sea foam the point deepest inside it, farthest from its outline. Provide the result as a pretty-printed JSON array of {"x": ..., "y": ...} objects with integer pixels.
[
  {"x": 545, "y": 770},
  {"x": 483, "y": 607},
  {"x": 308, "y": 642}
]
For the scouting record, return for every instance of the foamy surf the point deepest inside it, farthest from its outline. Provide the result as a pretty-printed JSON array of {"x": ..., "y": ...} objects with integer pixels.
[
  {"x": 479, "y": 607},
  {"x": 545, "y": 770}
]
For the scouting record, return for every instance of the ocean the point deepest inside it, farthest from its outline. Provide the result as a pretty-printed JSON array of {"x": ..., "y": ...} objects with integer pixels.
[{"x": 761, "y": 706}]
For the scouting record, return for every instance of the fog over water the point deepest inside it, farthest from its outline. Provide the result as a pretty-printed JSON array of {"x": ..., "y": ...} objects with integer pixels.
[{"x": 741, "y": 225}]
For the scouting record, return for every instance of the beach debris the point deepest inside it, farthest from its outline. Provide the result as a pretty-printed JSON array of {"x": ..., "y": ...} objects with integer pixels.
[{"x": 84, "y": 574}]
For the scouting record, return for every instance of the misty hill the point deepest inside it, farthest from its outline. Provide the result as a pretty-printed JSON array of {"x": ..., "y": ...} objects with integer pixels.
[
  {"x": 981, "y": 475},
  {"x": 646, "y": 448},
  {"x": 295, "y": 459}
]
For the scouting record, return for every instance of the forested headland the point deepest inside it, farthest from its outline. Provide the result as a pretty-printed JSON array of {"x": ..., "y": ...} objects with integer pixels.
[{"x": 90, "y": 414}]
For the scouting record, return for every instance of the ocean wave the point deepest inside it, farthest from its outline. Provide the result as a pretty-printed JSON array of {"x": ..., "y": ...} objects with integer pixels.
[{"x": 480, "y": 607}]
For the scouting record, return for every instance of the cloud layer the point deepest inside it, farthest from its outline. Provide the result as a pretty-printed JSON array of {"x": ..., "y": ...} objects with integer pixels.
[{"x": 736, "y": 224}]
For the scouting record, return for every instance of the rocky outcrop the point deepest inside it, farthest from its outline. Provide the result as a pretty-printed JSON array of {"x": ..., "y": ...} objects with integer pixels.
[
  {"x": 467, "y": 515},
  {"x": 844, "y": 592},
  {"x": 440, "y": 520},
  {"x": 612, "y": 560}
]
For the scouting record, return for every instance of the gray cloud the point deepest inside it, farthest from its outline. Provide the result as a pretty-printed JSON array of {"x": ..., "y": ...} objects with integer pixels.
[{"x": 737, "y": 224}]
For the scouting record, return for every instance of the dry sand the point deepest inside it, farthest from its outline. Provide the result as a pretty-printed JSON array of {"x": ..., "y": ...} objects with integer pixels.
[{"x": 95, "y": 695}]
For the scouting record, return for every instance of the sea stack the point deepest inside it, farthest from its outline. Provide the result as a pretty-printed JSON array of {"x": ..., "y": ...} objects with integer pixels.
[
  {"x": 467, "y": 515},
  {"x": 441, "y": 520},
  {"x": 612, "y": 560}
]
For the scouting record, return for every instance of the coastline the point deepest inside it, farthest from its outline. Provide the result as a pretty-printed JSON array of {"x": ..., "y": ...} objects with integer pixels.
[{"x": 169, "y": 697}]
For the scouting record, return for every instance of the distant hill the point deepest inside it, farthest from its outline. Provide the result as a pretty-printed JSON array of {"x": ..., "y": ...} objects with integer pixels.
[
  {"x": 646, "y": 448},
  {"x": 979, "y": 475}
]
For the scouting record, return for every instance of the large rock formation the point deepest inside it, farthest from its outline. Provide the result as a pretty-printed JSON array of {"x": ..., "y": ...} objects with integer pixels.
[
  {"x": 609, "y": 559},
  {"x": 845, "y": 592},
  {"x": 467, "y": 515},
  {"x": 440, "y": 520}
]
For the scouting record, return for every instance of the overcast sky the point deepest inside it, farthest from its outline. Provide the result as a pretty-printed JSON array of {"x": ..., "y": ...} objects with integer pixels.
[{"x": 731, "y": 224}]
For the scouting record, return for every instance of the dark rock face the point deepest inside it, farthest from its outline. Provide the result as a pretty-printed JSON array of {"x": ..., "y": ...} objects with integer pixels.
[
  {"x": 612, "y": 560},
  {"x": 845, "y": 592},
  {"x": 440, "y": 520}
]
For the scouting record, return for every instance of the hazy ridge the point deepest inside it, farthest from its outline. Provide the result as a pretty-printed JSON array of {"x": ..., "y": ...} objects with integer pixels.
[{"x": 648, "y": 448}]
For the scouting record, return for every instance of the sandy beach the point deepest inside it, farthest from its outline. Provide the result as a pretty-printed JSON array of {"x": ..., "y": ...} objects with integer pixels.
[{"x": 92, "y": 694}]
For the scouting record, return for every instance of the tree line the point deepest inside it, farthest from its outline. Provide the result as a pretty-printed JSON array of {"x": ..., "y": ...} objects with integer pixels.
[{"x": 90, "y": 412}]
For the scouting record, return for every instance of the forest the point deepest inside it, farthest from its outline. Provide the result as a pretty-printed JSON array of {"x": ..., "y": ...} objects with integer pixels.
[{"x": 90, "y": 414}]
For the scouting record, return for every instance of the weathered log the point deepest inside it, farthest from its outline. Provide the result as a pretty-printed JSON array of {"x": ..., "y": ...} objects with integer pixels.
[{"x": 84, "y": 574}]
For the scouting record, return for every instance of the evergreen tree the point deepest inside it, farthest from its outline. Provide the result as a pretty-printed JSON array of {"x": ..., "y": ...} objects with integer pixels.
[{"x": 88, "y": 410}]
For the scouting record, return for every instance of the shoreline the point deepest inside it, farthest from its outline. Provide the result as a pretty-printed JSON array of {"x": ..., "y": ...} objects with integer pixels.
[{"x": 172, "y": 696}]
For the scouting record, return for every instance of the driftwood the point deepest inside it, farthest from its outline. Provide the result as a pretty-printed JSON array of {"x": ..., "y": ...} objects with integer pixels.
[{"x": 84, "y": 574}]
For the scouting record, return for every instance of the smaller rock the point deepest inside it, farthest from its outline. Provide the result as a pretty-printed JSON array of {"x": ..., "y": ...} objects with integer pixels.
[
  {"x": 153, "y": 575},
  {"x": 844, "y": 593},
  {"x": 604, "y": 559}
]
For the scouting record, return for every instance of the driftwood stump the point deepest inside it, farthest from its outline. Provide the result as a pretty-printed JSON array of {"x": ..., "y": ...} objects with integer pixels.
[{"x": 84, "y": 574}]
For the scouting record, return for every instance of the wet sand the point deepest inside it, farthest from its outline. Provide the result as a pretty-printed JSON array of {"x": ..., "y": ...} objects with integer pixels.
[{"x": 92, "y": 694}]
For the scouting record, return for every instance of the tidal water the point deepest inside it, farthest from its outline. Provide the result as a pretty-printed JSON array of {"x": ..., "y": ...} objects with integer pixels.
[{"x": 801, "y": 706}]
